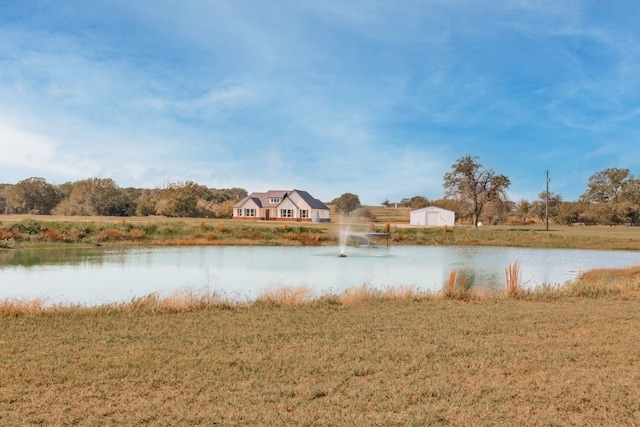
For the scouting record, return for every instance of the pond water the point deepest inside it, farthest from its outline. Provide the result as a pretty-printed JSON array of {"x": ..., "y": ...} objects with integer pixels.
[{"x": 102, "y": 275}]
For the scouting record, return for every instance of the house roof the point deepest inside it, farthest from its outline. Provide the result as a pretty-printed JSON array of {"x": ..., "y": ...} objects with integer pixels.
[
  {"x": 311, "y": 201},
  {"x": 262, "y": 199}
]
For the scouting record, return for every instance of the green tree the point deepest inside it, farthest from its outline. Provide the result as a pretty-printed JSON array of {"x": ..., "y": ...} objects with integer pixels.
[
  {"x": 346, "y": 203},
  {"x": 94, "y": 196},
  {"x": 475, "y": 186},
  {"x": 523, "y": 210},
  {"x": 33, "y": 196},
  {"x": 182, "y": 199},
  {"x": 4, "y": 190},
  {"x": 607, "y": 186},
  {"x": 415, "y": 202},
  {"x": 610, "y": 196},
  {"x": 539, "y": 208},
  {"x": 146, "y": 202},
  {"x": 218, "y": 196}
]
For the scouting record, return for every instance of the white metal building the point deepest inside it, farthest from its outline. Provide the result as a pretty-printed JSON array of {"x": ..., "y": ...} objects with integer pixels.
[{"x": 432, "y": 216}]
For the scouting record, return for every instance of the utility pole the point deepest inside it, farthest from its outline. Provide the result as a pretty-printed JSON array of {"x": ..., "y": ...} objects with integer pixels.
[{"x": 546, "y": 196}]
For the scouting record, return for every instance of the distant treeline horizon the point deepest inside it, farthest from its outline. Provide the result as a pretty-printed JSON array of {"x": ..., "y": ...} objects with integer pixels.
[{"x": 612, "y": 197}]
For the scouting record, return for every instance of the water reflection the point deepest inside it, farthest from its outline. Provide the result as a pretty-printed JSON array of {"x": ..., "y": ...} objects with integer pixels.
[
  {"x": 58, "y": 256},
  {"x": 98, "y": 275}
]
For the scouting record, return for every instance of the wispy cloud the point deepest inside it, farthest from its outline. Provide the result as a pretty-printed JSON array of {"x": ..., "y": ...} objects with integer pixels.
[{"x": 371, "y": 97}]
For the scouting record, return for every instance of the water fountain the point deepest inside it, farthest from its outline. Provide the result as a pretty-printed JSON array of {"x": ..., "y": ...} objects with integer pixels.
[{"x": 344, "y": 235}]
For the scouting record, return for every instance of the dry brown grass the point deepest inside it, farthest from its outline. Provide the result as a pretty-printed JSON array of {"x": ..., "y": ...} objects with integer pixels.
[
  {"x": 11, "y": 307},
  {"x": 286, "y": 296},
  {"x": 432, "y": 362},
  {"x": 119, "y": 235}
]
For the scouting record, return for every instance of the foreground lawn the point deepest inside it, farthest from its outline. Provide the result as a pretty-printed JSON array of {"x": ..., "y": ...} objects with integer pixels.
[{"x": 571, "y": 361}]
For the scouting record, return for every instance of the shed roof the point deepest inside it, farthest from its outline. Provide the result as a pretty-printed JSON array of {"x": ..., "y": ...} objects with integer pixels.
[{"x": 431, "y": 208}]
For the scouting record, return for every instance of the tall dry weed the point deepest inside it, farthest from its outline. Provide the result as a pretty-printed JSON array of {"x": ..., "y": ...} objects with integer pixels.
[
  {"x": 513, "y": 274},
  {"x": 458, "y": 286}
]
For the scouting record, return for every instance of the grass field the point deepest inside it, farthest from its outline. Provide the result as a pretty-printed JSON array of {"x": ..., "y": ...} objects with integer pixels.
[
  {"x": 554, "y": 356},
  {"x": 36, "y": 231},
  {"x": 373, "y": 362}
]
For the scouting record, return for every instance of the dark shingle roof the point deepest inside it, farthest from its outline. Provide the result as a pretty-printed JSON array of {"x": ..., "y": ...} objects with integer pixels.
[
  {"x": 311, "y": 201},
  {"x": 262, "y": 199}
]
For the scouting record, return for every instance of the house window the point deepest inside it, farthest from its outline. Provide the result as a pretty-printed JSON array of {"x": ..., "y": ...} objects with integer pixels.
[
  {"x": 239, "y": 213},
  {"x": 249, "y": 212},
  {"x": 304, "y": 213},
  {"x": 286, "y": 213},
  {"x": 274, "y": 201}
]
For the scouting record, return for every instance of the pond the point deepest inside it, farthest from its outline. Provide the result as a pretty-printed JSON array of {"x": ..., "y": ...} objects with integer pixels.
[{"x": 102, "y": 275}]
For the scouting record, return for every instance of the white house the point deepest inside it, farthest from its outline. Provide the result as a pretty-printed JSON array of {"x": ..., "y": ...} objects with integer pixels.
[
  {"x": 432, "y": 216},
  {"x": 275, "y": 205}
]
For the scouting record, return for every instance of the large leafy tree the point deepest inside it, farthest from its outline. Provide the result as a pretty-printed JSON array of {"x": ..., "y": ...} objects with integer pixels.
[
  {"x": 33, "y": 196},
  {"x": 94, "y": 196},
  {"x": 539, "y": 207},
  {"x": 346, "y": 203},
  {"x": 475, "y": 186},
  {"x": 4, "y": 190},
  {"x": 611, "y": 196},
  {"x": 607, "y": 186},
  {"x": 182, "y": 199},
  {"x": 415, "y": 202}
]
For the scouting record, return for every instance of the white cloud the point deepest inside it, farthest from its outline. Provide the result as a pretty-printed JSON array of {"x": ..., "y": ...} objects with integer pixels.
[{"x": 24, "y": 149}]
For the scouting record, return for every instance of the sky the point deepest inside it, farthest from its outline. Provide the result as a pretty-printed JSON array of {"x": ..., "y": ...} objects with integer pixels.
[{"x": 372, "y": 97}]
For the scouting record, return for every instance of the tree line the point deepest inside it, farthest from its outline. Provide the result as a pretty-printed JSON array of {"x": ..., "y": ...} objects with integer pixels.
[
  {"x": 476, "y": 194},
  {"x": 103, "y": 197}
]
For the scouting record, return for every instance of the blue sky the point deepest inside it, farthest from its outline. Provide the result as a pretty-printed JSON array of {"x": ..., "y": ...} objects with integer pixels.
[{"x": 376, "y": 98}]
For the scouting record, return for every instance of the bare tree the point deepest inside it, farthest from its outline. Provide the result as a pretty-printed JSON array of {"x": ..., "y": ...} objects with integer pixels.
[{"x": 470, "y": 183}]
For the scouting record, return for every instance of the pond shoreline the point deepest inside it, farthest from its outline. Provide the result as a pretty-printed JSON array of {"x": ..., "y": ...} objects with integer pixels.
[{"x": 60, "y": 232}]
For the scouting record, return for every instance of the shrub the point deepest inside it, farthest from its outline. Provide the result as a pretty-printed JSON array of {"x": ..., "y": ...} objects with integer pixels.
[
  {"x": 310, "y": 239},
  {"x": 27, "y": 226},
  {"x": 207, "y": 236},
  {"x": 111, "y": 234},
  {"x": 51, "y": 234},
  {"x": 8, "y": 234}
]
